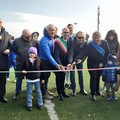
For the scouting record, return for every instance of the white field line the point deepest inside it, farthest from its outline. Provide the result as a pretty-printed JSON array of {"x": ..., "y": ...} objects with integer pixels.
[{"x": 51, "y": 111}]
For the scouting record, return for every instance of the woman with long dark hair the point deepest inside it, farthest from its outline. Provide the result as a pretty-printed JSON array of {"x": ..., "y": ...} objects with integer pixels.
[{"x": 112, "y": 39}]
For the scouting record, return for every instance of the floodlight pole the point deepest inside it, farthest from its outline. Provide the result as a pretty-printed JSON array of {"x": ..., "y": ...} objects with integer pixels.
[{"x": 98, "y": 20}]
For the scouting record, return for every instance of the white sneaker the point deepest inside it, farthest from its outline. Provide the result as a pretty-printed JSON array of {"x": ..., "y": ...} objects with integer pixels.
[{"x": 8, "y": 79}]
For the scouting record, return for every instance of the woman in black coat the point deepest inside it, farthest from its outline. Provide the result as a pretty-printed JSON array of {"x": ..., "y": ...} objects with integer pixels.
[{"x": 96, "y": 52}]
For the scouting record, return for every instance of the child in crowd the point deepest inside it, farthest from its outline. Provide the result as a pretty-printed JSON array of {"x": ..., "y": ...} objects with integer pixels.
[
  {"x": 12, "y": 62},
  {"x": 109, "y": 76},
  {"x": 32, "y": 78}
]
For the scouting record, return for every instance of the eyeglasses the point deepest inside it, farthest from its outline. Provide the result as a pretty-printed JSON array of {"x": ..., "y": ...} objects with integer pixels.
[
  {"x": 80, "y": 37},
  {"x": 27, "y": 37}
]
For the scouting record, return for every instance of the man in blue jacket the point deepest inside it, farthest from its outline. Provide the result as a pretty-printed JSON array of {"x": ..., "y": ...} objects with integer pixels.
[{"x": 46, "y": 47}]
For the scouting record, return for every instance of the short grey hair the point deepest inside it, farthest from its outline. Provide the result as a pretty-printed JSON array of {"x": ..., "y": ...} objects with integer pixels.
[
  {"x": 96, "y": 33},
  {"x": 49, "y": 26},
  {"x": 79, "y": 32}
]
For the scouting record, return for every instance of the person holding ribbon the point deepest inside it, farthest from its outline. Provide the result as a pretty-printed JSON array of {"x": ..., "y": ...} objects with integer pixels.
[
  {"x": 96, "y": 52},
  {"x": 60, "y": 55}
]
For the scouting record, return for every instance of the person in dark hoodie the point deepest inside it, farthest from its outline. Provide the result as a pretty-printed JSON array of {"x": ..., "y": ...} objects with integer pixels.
[
  {"x": 46, "y": 47},
  {"x": 5, "y": 47}
]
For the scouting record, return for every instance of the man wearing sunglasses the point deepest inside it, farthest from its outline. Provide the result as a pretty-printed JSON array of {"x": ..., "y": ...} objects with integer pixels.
[
  {"x": 78, "y": 45},
  {"x": 96, "y": 52},
  {"x": 20, "y": 47}
]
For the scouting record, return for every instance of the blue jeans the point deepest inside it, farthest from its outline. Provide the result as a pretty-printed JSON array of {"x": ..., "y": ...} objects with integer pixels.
[
  {"x": 80, "y": 78},
  {"x": 38, "y": 92},
  {"x": 18, "y": 86}
]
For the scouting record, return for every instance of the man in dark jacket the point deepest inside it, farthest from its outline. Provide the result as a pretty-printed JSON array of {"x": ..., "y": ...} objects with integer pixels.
[
  {"x": 96, "y": 52},
  {"x": 5, "y": 47},
  {"x": 77, "y": 46},
  {"x": 20, "y": 47},
  {"x": 60, "y": 55}
]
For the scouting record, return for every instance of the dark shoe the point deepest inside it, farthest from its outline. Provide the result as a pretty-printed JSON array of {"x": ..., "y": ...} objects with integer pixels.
[
  {"x": 73, "y": 93},
  {"x": 113, "y": 98},
  {"x": 98, "y": 93},
  {"x": 47, "y": 96},
  {"x": 61, "y": 98},
  {"x": 50, "y": 93},
  {"x": 29, "y": 108},
  {"x": 65, "y": 95},
  {"x": 83, "y": 92},
  {"x": 40, "y": 107},
  {"x": 108, "y": 98},
  {"x": 93, "y": 97},
  {"x": 66, "y": 86},
  {"x": 4, "y": 100},
  {"x": 16, "y": 97}
]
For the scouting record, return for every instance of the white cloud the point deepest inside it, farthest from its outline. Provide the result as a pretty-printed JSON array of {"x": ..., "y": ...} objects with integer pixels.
[
  {"x": 32, "y": 22},
  {"x": 35, "y": 22},
  {"x": 109, "y": 19}
]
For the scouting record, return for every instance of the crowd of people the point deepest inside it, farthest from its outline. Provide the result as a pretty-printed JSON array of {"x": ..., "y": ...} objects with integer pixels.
[{"x": 61, "y": 53}]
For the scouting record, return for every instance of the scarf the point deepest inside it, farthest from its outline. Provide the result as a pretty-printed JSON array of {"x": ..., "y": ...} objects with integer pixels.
[
  {"x": 62, "y": 43},
  {"x": 98, "y": 48}
]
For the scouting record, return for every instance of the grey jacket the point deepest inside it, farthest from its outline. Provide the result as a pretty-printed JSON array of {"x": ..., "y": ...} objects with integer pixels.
[{"x": 20, "y": 47}]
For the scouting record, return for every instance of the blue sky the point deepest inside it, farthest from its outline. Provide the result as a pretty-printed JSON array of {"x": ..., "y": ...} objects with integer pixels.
[{"x": 36, "y": 14}]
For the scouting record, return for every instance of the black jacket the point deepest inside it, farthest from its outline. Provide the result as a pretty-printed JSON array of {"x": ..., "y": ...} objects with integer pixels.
[
  {"x": 74, "y": 49},
  {"x": 32, "y": 67},
  {"x": 20, "y": 47},
  {"x": 59, "y": 55},
  {"x": 94, "y": 57},
  {"x": 4, "y": 44},
  {"x": 113, "y": 45}
]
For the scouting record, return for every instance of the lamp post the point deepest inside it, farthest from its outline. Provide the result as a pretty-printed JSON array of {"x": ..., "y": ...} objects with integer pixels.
[
  {"x": 75, "y": 24},
  {"x": 98, "y": 20}
]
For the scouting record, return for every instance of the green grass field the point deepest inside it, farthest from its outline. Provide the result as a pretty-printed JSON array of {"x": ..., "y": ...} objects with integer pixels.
[{"x": 73, "y": 108}]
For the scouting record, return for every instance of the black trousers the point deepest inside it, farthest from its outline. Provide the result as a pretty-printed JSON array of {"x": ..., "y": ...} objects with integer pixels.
[
  {"x": 95, "y": 81},
  {"x": 60, "y": 79},
  {"x": 2, "y": 85},
  {"x": 46, "y": 66}
]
